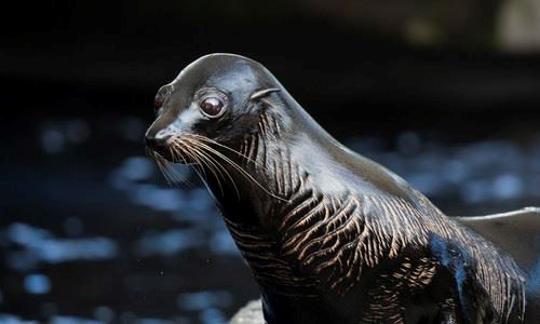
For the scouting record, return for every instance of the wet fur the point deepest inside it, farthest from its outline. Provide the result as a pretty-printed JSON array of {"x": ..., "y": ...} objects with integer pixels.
[{"x": 333, "y": 237}]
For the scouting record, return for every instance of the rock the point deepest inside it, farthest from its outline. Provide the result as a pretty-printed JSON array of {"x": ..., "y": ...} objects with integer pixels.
[{"x": 249, "y": 314}]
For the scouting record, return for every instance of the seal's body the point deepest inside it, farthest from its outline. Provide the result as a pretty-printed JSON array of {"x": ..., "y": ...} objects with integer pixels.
[{"x": 331, "y": 237}]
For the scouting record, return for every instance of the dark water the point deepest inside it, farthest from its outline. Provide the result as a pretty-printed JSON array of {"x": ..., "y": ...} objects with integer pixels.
[{"x": 95, "y": 235}]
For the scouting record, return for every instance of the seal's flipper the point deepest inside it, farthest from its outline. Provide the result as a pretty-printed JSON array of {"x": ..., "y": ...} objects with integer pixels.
[{"x": 516, "y": 232}]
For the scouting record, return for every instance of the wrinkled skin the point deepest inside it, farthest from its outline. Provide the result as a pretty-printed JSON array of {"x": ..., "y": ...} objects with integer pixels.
[{"x": 330, "y": 236}]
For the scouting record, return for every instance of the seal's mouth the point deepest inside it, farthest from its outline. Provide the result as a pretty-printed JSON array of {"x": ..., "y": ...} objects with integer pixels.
[
  {"x": 189, "y": 149},
  {"x": 168, "y": 150},
  {"x": 163, "y": 149},
  {"x": 163, "y": 155},
  {"x": 166, "y": 153},
  {"x": 198, "y": 151},
  {"x": 203, "y": 154}
]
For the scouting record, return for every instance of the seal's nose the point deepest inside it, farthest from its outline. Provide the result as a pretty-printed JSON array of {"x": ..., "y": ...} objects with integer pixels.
[
  {"x": 152, "y": 141},
  {"x": 155, "y": 141}
]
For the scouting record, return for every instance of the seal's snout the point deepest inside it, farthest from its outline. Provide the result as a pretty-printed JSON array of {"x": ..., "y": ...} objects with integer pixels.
[
  {"x": 153, "y": 142},
  {"x": 157, "y": 142}
]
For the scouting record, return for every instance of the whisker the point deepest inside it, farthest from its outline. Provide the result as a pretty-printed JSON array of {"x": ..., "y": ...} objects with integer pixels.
[
  {"x": 178, "y": 144},
  {"x": 206, "y": 139},
  {"x": 197, "y": 148},
  {"x": 177, "y": 155},
  {"x": 217, "y": 165},
  {"x": 240, "y": 170},
  {"x": 203, "y": 160},
  {"x": 172, "y": 177},
  {"x": 161, "y": 163},
  {"x": 196, "y": 167}
]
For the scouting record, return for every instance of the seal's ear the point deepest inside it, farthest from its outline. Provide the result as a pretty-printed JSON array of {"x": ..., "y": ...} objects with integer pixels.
[{"x": 263, "y": 93}]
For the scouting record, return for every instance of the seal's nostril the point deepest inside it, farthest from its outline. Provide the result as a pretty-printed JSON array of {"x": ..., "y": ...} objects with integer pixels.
[
  {"x": 153, "y": 142},
  {"x": 156, "y": 142},
  {"x": 147, "y": 140}
]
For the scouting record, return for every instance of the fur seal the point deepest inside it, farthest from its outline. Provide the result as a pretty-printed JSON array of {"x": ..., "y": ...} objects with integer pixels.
[{"x": 330, "y": 236}]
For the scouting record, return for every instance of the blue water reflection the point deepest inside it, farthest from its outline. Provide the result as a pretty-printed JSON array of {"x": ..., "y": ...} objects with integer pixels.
[
  {"x": 187, "y": 203},
  {"x": 73, "y": 319},
  {"x": 476, "y": 172},
  {"x": 56, "y": 135},
  {"x": 36, "y": 245},
  {"x": 168, "y": 242},
  {"x": 37, "y": 284},
  {"x": 201, "y": 300},
  {"x": 207, "y": 303}
]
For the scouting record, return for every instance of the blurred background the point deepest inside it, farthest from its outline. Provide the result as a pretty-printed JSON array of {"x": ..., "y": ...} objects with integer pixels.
[{"x": 445, "y": 93}]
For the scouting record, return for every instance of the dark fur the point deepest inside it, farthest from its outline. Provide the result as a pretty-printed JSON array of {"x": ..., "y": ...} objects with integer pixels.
[{"x": 331, "y": 237}]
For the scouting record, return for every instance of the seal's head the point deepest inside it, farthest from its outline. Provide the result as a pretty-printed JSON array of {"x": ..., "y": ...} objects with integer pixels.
[{"x": 216, "y": 98}]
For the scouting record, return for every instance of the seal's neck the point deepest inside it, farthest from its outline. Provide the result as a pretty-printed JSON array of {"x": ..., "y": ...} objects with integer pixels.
[
  {"x": 273, "y": 163},
  {"x": 263, "y": 175},
  {"x": 287, "y": 159},
  {"x": 266, "y": 183}
]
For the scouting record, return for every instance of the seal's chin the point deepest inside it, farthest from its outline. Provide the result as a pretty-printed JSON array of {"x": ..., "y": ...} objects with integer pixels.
[
  {"x": 168, "y": 155},
  {"x": 160, "y": 152}
]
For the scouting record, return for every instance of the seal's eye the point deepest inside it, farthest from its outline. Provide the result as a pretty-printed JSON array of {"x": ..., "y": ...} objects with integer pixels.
[
  {"x": 158, "y": 102},
  {"x": 212, "y": 107}
]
